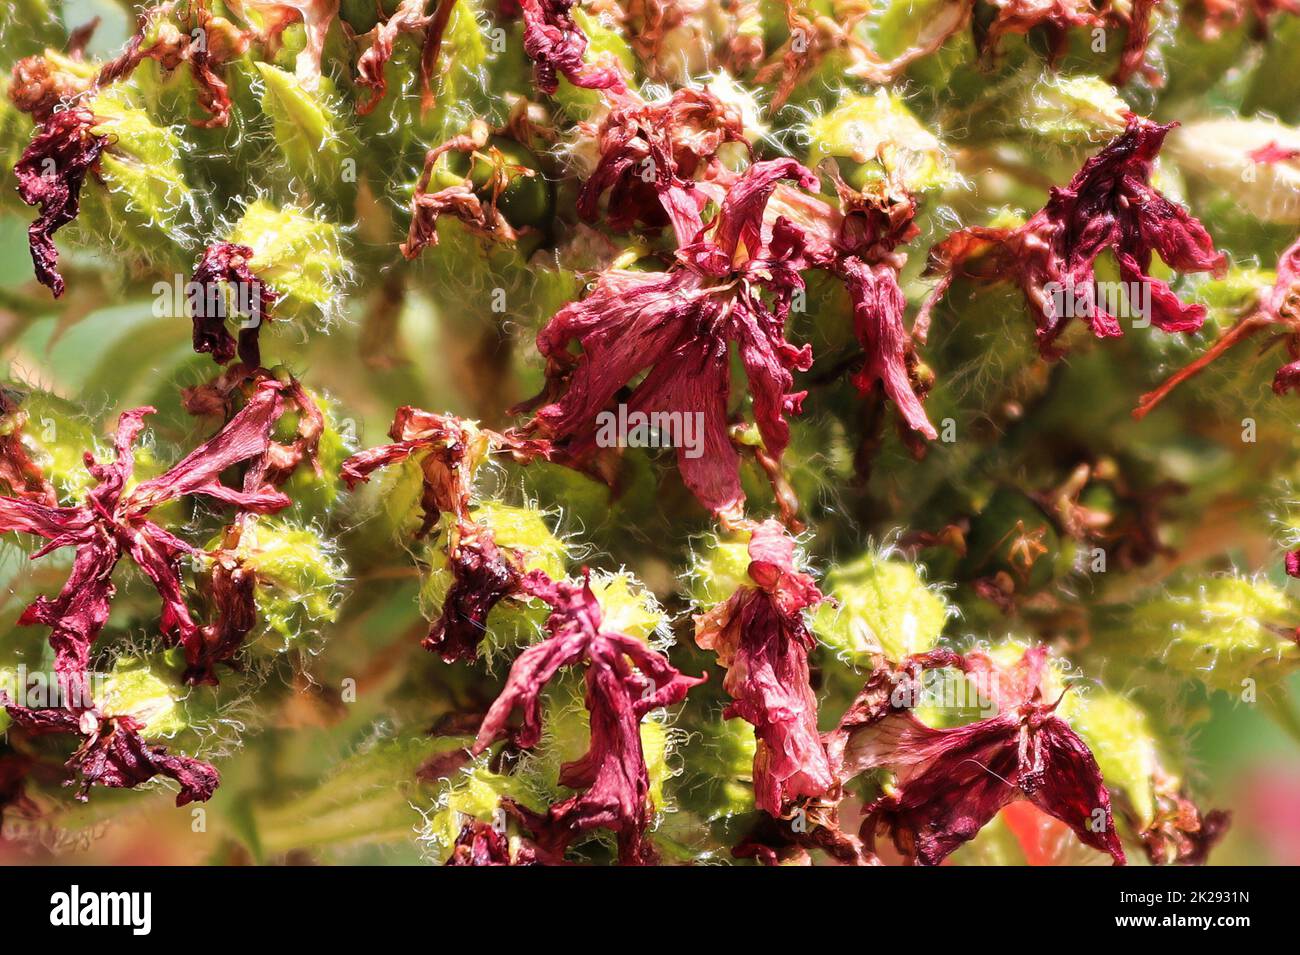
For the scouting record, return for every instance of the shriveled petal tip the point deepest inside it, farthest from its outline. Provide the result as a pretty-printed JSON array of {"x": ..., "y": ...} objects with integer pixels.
[
  {"x": 50, "y": 174},
  {"x": 557, "y": 47}
]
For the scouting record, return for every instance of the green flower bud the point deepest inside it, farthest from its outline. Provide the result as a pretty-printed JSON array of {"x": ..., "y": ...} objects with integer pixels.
[
  {"x": 148, "y": 692},
  {"x": 298, "y": 255},
  {"x": 145, "y": 200},
  {"x": 314, "y": 493},
  {"x": 475, "y": 793},
  {"x": 1228, "y": 633},
  {"x": 1119, "y": 733},
  {"x": 1232, "y": 154},
  {"x": 719, "y": 767},
  {"x": 719, "y": 566},
  {"x": 1074, "y": 109},
  {"x": 311, "y": 142},
  {"x": 877, "y": 136},
  {"x": 883, "y": 607},
  {"x": 299, "y": 577}
]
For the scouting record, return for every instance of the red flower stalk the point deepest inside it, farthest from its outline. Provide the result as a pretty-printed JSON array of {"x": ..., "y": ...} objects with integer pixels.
[
  {"x": 450, "y": 451},
  {"x": 114, "y": 522},
  {"x": 50, "y": 174},
  {"x": 225, "y": 263},
  {"x": 1109, "y": 204},
  {"x": 678, "y": 326},
  {"x": 650, "y": 157},
  {"x": 113, "y": 754},
  {"x": 949, "y": 783},
  {"x": 761, "y": 638},
  {"x": 1278, "y": 308},
  {"x": 556, "y": 45},
  {"x": 409, "y": 17},
  {"x": 625, "y": 680}
]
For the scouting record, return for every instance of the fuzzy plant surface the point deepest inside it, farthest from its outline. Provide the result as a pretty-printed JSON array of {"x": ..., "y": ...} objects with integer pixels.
[{"x": 539, "y": 432}]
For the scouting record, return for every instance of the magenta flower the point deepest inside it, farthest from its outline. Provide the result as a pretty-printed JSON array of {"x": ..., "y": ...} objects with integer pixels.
[
  {"x": 50, "y": 174},
  {"x": 625, "y": 680},
  {"x": 1109, "y": 204},
  {"x": 678, "y": 327},
  {"x": 450, "y": 450},
  {"x": 225, "y": 263},
  {"x": 115, "y": 522},
  {"x": 650, "y": 156},
  {"x": 761, "y": 638},
  {"x": 113, "y": 754},
  {"x": 949, "y": 783},
  {"x": 556, "y": 45}
]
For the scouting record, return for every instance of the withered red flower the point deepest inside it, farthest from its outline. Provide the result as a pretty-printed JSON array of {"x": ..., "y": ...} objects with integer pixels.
[
  {"x": 1109, "y": 204},
  {"x": 224, "y": 267},
  {"x": 113, "y": 754},
  {"x": 625, "y": 680},
  {"x": 761, "y": 638},
  {"x": 678, "y": 327},
  {"x": 949, "y": 783},
  {"x": 50, "y": 174},
  {"x": 556, "y": 45},
  {"x": 461, "y": 200},
  {"x": 650, "y": 156},
  {"x": 224, "y": 395},
  {"x": 114, "y": 522},
  {"x": 858, "y": 244},
  {"x": 450, "y": 450}
]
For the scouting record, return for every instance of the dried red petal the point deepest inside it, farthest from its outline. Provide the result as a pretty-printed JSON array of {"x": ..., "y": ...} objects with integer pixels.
[
  {"x": 225, "y": 264},
  {"x": 650, "y": 155},
  {"x": 1109, "y": 204},
  {"x": 625, "y": 680},
  {"x": 761, "y": 638},
  {"x": 50, "y": 174},
  {"x": 678, "y": 327},
  {"x": 113, "y": 523},
  {"x": 114, "y": 755},
  {"x": 556, "y": 45},
  {"x": 949, "y": 783}
]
